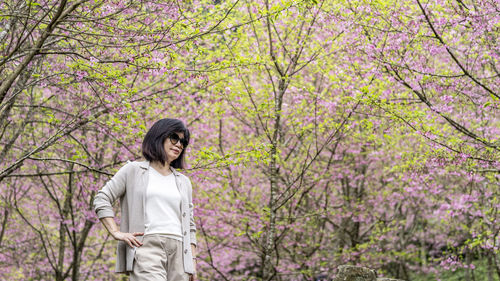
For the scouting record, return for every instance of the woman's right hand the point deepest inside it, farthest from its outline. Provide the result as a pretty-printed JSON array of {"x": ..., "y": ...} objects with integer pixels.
[{"x": 129, "y": 238}]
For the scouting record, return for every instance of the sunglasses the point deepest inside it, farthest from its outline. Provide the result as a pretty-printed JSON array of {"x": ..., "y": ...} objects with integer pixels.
[{"x": 174, "y": 139}]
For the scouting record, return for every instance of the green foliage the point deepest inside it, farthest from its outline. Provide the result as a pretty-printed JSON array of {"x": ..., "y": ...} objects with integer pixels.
[{"x": 480, "y": 273}]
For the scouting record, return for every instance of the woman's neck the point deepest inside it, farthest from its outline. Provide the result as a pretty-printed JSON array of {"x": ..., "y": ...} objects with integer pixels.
[{"x": 162, "y": 169}]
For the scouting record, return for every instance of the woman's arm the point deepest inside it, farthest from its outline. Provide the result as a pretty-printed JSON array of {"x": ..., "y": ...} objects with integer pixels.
[
  {"x": 193, "y": 277},
  {"x": 192, "y": 225},
  {"x": 103, "y": 206},
  {"x": 192, "y": 228},
  {"x": 112, "y": 190}
]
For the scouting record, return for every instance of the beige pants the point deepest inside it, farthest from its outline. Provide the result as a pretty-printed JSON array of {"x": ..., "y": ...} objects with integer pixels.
[{"x": 159, "y": 258}]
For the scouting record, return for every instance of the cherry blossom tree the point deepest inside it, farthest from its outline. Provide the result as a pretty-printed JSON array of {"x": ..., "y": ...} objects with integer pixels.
[{"x": 324, "y": 132}]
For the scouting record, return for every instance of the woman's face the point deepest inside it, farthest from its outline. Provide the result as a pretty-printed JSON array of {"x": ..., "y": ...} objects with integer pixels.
[{"x": 173, "y": 150}]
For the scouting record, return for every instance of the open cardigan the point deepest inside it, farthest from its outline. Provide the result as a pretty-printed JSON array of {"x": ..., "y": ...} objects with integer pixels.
[{"x": 129, "y": 185}]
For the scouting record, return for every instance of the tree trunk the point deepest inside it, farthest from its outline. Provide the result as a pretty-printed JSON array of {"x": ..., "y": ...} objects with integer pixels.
[
  {"x": 490, "y": 267},
  {"x": 78, "y": 250},
  {"x": 496, "y": 263},
  {"x": 468, "y": 275},
  {"x": 4, "y": 224}
]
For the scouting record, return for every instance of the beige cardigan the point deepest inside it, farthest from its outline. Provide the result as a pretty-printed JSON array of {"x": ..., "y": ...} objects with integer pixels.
[{"x": 129, "y": 185}]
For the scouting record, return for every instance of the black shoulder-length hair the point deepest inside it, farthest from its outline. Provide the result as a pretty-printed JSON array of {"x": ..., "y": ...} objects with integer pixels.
[{"x": 152, "y": 145}]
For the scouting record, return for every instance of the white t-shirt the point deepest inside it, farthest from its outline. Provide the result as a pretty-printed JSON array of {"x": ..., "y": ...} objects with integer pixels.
[{"x": 163, "y": 205}]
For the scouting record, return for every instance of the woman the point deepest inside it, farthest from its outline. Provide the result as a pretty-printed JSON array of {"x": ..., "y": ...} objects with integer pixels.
[{"x": 156, "y": 240}]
